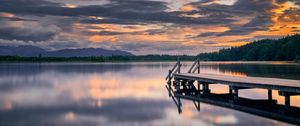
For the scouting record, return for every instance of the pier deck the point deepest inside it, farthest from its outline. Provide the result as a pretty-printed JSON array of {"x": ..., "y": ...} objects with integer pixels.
[
  {"x": 249, "y": 82},
  {"x": 195, "y": 82}
]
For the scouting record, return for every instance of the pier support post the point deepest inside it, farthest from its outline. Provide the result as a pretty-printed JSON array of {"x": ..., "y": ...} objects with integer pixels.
[
  {"x": 169, "y": 76},
  {"x": 205, "y": 87},
  {"x": 287, "y": 101},
  {"x": 177, "y": 85},
  {"x": 169, "y": 86},
  {"x": 230, "y": 89},
  {"x": 287, "y": 98},
  {"x": 198, "y": 65},
  {"x": 184, "y": 86},
  {"x": 270, "y": 95},
  {"x": 235, "y": 94},
  {"x": 179, "y": 110},
  {"x": 198, "y": 88},
  {"x": 179, "y": 65},
  {"x": 197, "y": 105}
]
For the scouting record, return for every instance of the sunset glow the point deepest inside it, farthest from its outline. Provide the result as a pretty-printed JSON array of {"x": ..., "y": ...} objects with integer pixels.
[{"x": 147, "y": 27}]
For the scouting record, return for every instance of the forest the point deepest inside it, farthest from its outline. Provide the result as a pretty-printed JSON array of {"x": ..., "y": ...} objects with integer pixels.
[
  {"x": 98, "y": 59},
  {"x": 282, "y": 49}
]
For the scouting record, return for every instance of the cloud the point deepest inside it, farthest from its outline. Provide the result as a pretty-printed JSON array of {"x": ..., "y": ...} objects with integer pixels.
[
  {"x": 110, "y": 33},
  {"x": 27, "y": 31},
  {"x": 261, "y": 12},
  {"x": 78, "y": 23},
  {"x": 123, "y": 110},
  {"x": 116, "y": 11},
  {"x": 296, "y": 31},
  {"x": 207, "y": 34}
]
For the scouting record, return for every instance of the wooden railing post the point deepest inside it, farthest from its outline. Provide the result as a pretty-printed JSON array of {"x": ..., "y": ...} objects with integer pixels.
[
  {"x": 169, "y": 76},
  {"x": 179, "y": 65},
  {"x": 192, "y": 67},
  {"x": 175, "y": 69},
  {"x": 198, "y": 65}
]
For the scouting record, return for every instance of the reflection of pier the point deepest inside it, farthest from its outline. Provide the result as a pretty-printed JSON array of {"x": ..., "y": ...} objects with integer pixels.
[{"x": 183, "y": 85}]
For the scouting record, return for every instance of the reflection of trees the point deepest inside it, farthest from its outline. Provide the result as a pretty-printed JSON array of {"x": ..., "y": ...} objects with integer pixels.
[
  {"x": 37, "y": 68},
  {"x": 34, "y": 69},
  {"x": 263, "y": 70}
]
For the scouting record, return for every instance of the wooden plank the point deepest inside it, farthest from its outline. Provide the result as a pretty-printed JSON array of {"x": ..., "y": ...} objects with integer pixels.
[
  {"x": 282, "y": 93},
  {"x": 250, "y": 82}
]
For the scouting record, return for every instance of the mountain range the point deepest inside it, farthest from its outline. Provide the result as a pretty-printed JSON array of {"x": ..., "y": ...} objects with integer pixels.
[{"x": 33, "y": 51}]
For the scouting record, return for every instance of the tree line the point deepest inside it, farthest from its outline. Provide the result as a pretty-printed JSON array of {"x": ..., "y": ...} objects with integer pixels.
[
  {"x": 98, "y": 59},
  {"x": 283, "y": 49}
]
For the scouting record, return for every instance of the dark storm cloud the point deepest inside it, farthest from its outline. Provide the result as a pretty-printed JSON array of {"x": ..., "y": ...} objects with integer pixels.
[
  {"x": 256, "y": 13},
  {"x": 117, "y": 11},
  {"x": 109, "y": 33},
  {"x": 259, "y": 23},
  {"x": 239, "y": 8},
  {"x": 27, "y": 31},
  {"x": 207, "y": 34},
  {"x": 258, "y": 9},
  {"x": 18, "y": 34},
  {"x": 15, "y": 18},
  {"x": 149, "y": 32},
  {"x": 140, "y": 46}
]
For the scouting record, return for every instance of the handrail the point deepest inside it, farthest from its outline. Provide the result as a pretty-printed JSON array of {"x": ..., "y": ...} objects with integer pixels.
[
  {"x": 174, "y": 66},
  {"x": 177, "y": 65},
  {"x": 192, "y": 67},
  {"x": 178, "y": 69},
  {"x": 195, "y": 67},
  {"x": 171, "y": 71}
]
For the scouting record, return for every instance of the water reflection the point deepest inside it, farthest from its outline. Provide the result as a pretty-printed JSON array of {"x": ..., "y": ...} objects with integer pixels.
[
  {"x": 263, "y": 107},
  {"x": 116, "y": 94}
]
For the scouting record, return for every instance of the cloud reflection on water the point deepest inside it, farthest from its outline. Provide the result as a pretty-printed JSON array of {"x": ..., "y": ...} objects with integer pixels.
[{"x": 115, "y": 94}]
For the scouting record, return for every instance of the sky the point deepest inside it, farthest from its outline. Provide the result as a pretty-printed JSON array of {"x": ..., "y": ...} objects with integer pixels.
[{"x": 146, "y": 26}]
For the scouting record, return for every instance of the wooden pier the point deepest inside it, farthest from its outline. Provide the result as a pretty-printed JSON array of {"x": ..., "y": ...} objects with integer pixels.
[{"x": 194, "y": 85}]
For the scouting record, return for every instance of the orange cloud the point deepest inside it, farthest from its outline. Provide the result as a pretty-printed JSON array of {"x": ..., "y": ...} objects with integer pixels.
[
  {"x": 70, "y": 6},
  {"x": 187, "y": 8},
  {"x": 7, "y": 15}
]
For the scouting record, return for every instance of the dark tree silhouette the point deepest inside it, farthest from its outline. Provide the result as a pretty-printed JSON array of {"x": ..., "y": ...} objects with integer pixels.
[{"x": 283, "y": 49}]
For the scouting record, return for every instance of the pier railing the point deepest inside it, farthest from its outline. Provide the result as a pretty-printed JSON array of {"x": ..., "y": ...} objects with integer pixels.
[
  {"x": 197, "y": 85},
  {"x": 175, "y": 69},
  {"x": 195, "y": 67}
]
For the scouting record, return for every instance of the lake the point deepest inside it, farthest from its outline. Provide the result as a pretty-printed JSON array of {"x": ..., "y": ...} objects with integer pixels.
[{"x": 110, "y": 94}]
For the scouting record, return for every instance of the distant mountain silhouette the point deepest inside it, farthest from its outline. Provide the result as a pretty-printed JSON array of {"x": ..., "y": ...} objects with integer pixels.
[{"x": 33, "y": 51}]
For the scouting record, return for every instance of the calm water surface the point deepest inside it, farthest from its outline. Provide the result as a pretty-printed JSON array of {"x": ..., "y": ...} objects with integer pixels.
[{"x": 104, "y": 94}]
